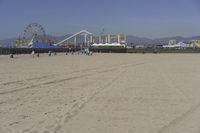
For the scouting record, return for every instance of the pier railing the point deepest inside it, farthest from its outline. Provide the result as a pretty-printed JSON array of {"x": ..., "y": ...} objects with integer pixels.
[{"x": 6, "y": 51}]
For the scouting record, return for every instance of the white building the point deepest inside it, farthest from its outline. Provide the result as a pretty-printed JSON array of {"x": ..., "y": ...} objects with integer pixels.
[
  {"x": 174, "y": 44},
  {"x": 111, "y": 40}
]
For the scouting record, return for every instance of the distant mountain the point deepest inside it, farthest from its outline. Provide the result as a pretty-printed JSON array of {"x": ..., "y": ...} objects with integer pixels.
[
  {"x": 138, "y": 40},
  {"x": 177, "y": 38},
  {"x": 133, "y": 40}
]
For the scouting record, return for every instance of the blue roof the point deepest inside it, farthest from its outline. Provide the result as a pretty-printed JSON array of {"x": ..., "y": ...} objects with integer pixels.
[
  {"x": 42, "y": 45},
  {"x": 23, "y": 47}
]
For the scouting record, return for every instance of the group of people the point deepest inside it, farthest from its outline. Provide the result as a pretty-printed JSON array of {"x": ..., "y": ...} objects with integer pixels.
[
  {"x": 85, "y": 51},
  {"x": 33, "y": 54},
  {"x": 38, "y": 55}
]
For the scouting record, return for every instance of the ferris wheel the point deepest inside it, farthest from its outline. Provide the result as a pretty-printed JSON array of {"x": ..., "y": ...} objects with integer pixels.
[{"x": 33, "y": 31}]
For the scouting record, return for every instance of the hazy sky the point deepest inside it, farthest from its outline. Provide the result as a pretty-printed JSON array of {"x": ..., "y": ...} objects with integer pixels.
[{"x": 144, "y": 18}]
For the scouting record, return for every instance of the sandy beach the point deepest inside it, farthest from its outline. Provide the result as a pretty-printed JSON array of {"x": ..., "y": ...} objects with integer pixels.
[{"x": 103, "y": 93}]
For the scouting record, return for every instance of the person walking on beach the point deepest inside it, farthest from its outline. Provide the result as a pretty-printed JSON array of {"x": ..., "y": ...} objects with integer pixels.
[
  {"x": 11, "y": 55},
  {"x": 49, "y": 53},
  {"x": 38, "y": 55},
  {"x": 33, "y": 53}
]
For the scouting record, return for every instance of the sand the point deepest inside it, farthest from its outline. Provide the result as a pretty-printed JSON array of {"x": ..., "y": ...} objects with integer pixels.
[{"x": 103, "y": 93}]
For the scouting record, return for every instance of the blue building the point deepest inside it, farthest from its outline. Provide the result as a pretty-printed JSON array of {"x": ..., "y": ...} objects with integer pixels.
[{"x": 42, "y": 45}]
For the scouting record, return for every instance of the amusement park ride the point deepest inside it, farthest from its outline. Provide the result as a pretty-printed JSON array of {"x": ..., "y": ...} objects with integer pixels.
[
  {"x": 34, "y": 36},
  {"x": 34, "y": 32},
  {"x": 110, "y": 40},
  {"x": 84, "y": 33}
]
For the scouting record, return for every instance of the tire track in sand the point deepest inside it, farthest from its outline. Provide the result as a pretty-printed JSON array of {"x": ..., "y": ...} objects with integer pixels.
[
  {"x": 51, "y": 75},
  {"x": 182, "y": 122},
  {"x": 75, "y": 112},
  {"x": 89, "y": 71}
]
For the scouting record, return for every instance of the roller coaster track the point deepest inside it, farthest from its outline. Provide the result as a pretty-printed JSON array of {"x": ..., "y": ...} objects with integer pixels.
[{"x": 78, "y": 33}]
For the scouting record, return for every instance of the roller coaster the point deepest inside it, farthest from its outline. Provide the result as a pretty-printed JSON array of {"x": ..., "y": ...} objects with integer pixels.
[{"x": 85, "y": 33}]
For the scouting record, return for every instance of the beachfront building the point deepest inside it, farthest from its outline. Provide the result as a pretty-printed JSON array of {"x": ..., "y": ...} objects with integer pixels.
[
  {"x": 195, "y": 43},
  {"x": 139, "y": 46},
  {"x": 110, "y": 40},
  {"x": 174, "y": 44}
]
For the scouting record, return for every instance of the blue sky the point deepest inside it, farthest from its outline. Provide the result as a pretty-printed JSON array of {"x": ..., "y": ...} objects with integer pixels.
[{"x": 144, "y": 18}]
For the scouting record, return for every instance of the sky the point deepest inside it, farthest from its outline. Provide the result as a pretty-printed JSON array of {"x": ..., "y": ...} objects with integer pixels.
[{"x": 143, "y": 18}]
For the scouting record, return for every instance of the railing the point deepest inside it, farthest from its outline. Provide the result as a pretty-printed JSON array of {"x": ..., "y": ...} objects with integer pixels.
[{"x": 6, "y": 51}]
